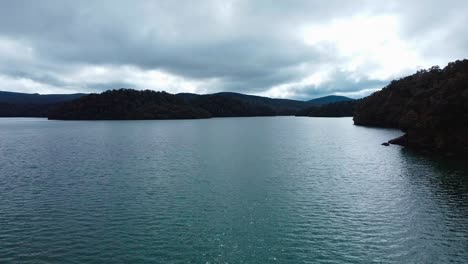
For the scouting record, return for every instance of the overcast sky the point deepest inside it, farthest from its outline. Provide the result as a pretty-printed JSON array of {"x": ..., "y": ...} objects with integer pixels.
[{"x": 286, "y": 49}]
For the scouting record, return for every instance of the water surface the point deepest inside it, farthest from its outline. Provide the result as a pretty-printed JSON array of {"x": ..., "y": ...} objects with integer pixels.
[{"x": 232, "y": 190}]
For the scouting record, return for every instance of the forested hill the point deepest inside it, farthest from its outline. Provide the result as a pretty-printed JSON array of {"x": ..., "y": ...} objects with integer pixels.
[
  {"x": 234, "y": 102},
  {"x": 127, "y": 104},
  {"x": 223, "y": 104},
  {"x": 132, "y": 104},
  {"x": 336, "y": 109},
  {"x": 431, "y": 106}
]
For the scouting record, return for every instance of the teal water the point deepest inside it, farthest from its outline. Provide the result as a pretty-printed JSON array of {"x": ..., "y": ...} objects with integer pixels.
[{"x": 232, "y": 190}]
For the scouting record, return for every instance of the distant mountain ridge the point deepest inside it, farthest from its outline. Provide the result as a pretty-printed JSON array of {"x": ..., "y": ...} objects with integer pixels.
[
  {"x": 329, "y": 99},
  {"x": 244, "y": 105},
  {"x": 223, "y": 104},
  {"x": 25, "y": 98},
  {"x": 14, "y": 104}
]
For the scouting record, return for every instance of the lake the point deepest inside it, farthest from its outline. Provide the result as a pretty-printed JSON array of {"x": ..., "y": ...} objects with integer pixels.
[{"x": 225, "y": 190}]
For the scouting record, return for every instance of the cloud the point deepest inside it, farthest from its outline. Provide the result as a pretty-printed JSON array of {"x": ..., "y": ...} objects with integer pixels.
[
  {"x": 326, "y": 82},
  {"x": 27, "y": 85},
  {"x": 289, "y": 49}
]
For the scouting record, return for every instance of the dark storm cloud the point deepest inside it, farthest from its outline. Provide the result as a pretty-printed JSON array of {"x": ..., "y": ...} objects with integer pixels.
[
  {"x": 246, "y": 46},
  {"x": 153, "y": 35}
]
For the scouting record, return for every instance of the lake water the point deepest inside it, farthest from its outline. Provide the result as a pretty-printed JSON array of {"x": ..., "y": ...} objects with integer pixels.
[{"x": 232, "y": 190}]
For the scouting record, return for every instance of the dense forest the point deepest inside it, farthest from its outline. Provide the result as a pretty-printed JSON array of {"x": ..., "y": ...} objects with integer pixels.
[
  {"x": 156, "y": 106},
  {"x": 338, "y": 109},
  {"x": 431, "y": 106},
  {"x": 127, "y": 104},
  {"x": 226, "y": 106},
  {"x": 234, "y": 104},
  {"x": 132, "y": 104}
]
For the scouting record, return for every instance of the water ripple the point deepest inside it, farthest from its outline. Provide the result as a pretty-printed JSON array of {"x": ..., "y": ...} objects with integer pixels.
[{"x": 240, "y": 190}]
